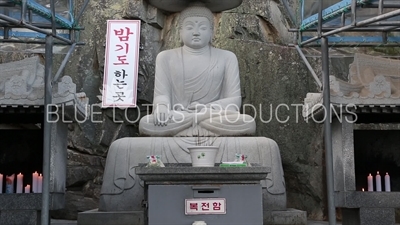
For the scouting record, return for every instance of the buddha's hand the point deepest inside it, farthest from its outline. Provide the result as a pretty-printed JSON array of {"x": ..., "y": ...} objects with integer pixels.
[
  {"x": 196, "y": 107},
  {"x": 161, "y": 115}
]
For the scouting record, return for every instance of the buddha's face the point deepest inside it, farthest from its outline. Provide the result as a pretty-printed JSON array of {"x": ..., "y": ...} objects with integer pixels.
[{"x": 196, "y": 32}]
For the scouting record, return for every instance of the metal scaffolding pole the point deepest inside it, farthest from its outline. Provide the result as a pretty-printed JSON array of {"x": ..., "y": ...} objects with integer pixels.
[
  {"x": 328, "y": 131},
  {"x": 351, "y": 26},
  {"x": 64, "y": 63},
  {"x": 48, "y": 93},
  {"x": 327, "y": 125},
  {"x": 309, "y": 66},
  {"x": 45, "y": 218},
  {"x": 355, "y": 29},
  {"x": 31, "y": 27}
]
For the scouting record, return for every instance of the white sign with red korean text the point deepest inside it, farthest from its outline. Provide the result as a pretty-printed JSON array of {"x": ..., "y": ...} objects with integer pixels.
[
  {"x": 121, "y": 63},
  {"x": 205, "y": 206}
]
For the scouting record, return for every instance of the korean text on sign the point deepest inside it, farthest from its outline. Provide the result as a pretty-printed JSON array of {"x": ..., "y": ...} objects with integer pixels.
[
  {"x": 121, "y": 63},
  {"x": 205, "y": 206}
]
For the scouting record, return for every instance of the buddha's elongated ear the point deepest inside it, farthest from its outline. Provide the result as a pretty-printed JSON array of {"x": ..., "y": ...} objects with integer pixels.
[
  {"x": 180, "y": 37},
  {"x": 211, "y": 36}
]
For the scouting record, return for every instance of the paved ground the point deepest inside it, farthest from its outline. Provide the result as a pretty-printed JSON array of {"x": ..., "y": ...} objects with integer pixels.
[
  {"x": 71, "y": 222},
  {"x": 63, "y": 222},
  {"x": 320, "y": 223}
]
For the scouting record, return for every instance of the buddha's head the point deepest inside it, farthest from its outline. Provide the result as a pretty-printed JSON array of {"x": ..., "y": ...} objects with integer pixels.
[{"x": 196, "y": 26}]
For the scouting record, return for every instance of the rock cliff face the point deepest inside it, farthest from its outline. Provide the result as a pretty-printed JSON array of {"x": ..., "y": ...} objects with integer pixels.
[{"x": 273, "y": 80}]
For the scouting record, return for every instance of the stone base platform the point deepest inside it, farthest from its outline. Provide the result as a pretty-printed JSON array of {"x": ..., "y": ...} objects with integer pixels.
[
  {"x": 367, "y": 208},
  {"x": 285, "y": 217},
  {"x": 20, "y": 217},
  {"x": 368, "y": 216},
  {"x": 95, "y": 217},
  {"x": 25, "y": 209}
]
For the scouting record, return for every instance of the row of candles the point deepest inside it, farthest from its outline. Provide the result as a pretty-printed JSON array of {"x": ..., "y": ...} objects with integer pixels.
[
  {"x": 37, "y": 183},
  {"x": 378, "y": 182}
]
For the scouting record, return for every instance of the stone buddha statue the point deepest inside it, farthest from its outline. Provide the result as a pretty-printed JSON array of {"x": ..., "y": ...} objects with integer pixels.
[
  {"x": 197, "y": 98},
  {"x": 197, "y": 87}
]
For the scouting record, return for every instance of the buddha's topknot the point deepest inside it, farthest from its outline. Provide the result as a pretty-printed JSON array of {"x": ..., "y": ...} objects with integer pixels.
[{"x": 196, "y": 10}]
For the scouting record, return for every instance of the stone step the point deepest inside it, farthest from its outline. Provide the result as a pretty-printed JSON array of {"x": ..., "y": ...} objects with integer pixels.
[
  {"x": 30, "y": 201},
  {"x": 93, "y": 217},
  {"x": 20, "y": 217},
  {"x": 286, "y": 217}
]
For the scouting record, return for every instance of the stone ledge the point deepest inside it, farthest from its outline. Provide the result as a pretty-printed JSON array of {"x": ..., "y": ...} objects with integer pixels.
[
  {"x": 374, "y": 216},
  {"x": 20, "y": 217},
  {"x": 360, "y": 199},
  {"x": 285, "y": 217},
  {"x": 185, "y": 173},
  {"x": 29, "y": 201},
  {"x": 95, "y": 217}
]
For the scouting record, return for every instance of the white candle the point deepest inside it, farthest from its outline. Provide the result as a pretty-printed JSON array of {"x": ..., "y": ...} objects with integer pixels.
[
  {"x": 34, "y": 182},
  {"x": 370, "y": 183},
  {"x": 378, "y": 181},
  {"x": 10, "y": 184},
  {"x": 1, "y": 183},
  {"x": 39, "y": 182},
  {"x": 387, "y": 182},
  {"x": 362, "y": 189},
  {"x": 20, "y": 181},
  {"x": 28, "y": 188}
]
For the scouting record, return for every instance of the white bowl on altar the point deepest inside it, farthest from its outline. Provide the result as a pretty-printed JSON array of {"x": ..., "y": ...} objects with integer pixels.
[{"x": 203, "y": 156}]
